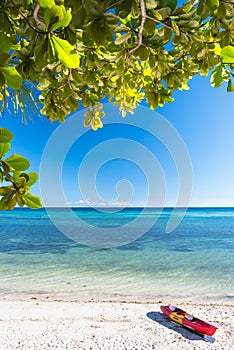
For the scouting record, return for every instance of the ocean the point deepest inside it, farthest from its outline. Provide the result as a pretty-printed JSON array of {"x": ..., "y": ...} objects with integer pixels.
[{"x": 195, "y": 261}]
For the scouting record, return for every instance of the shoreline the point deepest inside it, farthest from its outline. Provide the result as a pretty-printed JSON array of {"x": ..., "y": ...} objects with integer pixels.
[
  {"x": 108, "y": 325},
  {"x": 77, "y": 297}
]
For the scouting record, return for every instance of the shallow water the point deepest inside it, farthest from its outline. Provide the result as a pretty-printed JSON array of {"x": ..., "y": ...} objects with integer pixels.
[{"x": 196, "y": 260}]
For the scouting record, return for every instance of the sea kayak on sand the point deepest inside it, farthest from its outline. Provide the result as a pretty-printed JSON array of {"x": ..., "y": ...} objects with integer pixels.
[{"x": 183, "y": 318}]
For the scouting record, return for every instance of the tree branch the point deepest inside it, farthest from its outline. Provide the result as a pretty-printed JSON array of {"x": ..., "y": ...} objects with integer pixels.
[
  {"x": 140, "y": 33},
  {"x": 7, "y": 175},
  {"x": 113, "y": 5},
  {"x": 41, "y": 32},
  {"x": 159, "y": 22},
  {"x": 35, "y": 15},
  {"x": 144, "y": 16},
  {"x": 168, "y": 26}
]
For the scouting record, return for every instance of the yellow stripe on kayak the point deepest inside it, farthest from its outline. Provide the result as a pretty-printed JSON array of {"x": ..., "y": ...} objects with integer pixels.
[{"x": 177, "y": 318}]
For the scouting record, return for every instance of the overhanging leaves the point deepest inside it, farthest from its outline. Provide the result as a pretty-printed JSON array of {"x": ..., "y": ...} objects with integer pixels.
[
  {"x": 17, "y": 162},
  {"x": 65, "y": 52},
  {"x": 46, "y": 3},
  {"x": 218, "y": 76},
  {"x": 5, "y": 135},
  {"x": 32, "y": 178},
  {"x": 57, "y": 17},
  {"x": 12, "y": 77},
  {"x": 5, "y": 43},
  {"x": 4, "y": 148},
  {"x": 227, "y": 54},
  {"x": 126, "y": 51},
  {"x": 19, "y": 182},
  {"x": 32, "y": 201}
]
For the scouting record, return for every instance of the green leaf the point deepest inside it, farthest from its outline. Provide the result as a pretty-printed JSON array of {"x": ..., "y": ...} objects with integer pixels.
[
  {"x": 202, "y": 53},
  {"x": 97, "y": 32},
  {"x": 57, "y": 17},
  {"x": 123, "y": 38},
  {"x": 191, "y": 24},
  {"x": 8, "y": 201},
  {"x": 70, "y": 34},
  {"x": 230, "y": 87},
  {"x": 66, "y": 52},
  {"x": 143, "y": 53},
  {"x": 222, "y": 10},
  {"x": 4, "y": 200},
  {"x": 229, "y": 10},
  {"x": 4, "y": 58},
  {"x": 158, "y": 15},
  {"x": 5, "y": 43},
  {"x": 5, "y": 135},
  {"x": 187, "y": 15},
  {"x": 33, "y": 177},
  {"x": 167, "y": 33},
  {"x": 20, "y": 200},
  {"x": 4, "y": 148},
  {"x": 5, "y": 166},
  {"x": 12, "y": 77},
  {"x": 16, "y": 174},
  {"x": 170, "y": 3},
  {"x": 5, "y": 190},
  {"x": 227, "y": 54},
  {"x": 2, "y": 204},
  {"x": 149, "y": 27},
  {"x": 150, "y": 4},
  {"x": 218, "y": 76},
  {"x": 11, "y": 203},
  {"x": 92, "y": 8},
  {"x": 32, "y": 201},
  {"x": 46, "y": 3},
  {"x": 18, "y": 162},
  {"x": 175, "y": 28},
  {"x": 212, "y": 4},
  {"x": 25, "y": 176},
  {"x": 164, "y": 12},
  {"x": 122, "y": 28},
  {"x": 188, "y": 5},
  {"x": 64, "y": 22},
  {"x": 41, "y": 54},
  {"x": 93, "y": 116},
  {"x": 23, "y": 190},
  {"x": 52, "y": 15},
  {"x": 20, "y": 182}
]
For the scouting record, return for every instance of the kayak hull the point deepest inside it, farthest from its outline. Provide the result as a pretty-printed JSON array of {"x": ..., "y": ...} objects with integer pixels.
[{"x": 183, "y": 318}]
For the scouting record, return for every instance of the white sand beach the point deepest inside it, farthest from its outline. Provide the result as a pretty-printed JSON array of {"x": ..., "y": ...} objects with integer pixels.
[{"x": 110, "y": 324}]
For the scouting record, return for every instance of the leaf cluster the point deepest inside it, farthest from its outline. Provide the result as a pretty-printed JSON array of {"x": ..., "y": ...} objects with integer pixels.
[
  {"x": 16, "y": 182},
  {"x": 81, "y": 51}
]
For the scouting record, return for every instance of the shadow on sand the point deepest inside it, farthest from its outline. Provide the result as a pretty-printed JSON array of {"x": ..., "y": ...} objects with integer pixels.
[{"x": 163, "y": 321}]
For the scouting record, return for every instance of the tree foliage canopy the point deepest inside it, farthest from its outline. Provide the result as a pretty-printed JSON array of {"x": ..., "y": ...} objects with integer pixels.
[
  {"x": 17, "y": 183},
  {"x": 58, "y": 54},
  {"x": 80, "y": 51}
]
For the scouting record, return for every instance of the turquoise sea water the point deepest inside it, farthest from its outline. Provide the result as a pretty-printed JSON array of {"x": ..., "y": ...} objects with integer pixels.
[{"x": 194, "y": 261}]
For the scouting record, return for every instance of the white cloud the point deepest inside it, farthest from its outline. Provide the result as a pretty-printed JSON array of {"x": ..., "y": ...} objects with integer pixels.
[{"x": 88, "y": 203}]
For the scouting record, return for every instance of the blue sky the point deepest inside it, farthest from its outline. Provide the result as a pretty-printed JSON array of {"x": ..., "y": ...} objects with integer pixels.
[{"x": 203, "y": 116}]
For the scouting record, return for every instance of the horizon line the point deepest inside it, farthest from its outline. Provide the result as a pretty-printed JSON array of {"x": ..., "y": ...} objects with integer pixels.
[{"x": 130, "y": 207}]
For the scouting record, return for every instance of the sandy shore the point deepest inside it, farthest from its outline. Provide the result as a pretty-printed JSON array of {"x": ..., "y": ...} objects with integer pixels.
[{"x": 91, "y": 325}]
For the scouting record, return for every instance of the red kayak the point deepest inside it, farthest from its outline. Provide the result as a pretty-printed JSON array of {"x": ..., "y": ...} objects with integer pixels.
[{"x": 183, "y": 318}]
